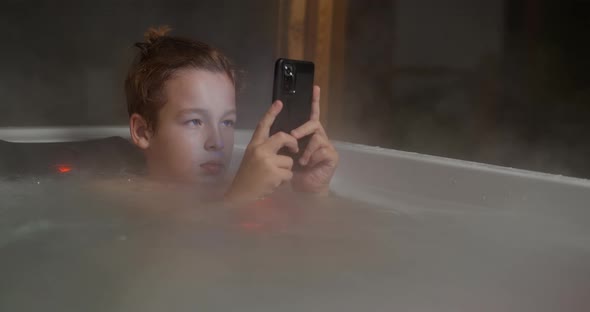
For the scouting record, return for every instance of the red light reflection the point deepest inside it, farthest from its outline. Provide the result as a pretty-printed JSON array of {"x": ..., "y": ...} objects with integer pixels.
[
  {"x": 263, "y": 215},
  {"x": 63, "y": 168}
]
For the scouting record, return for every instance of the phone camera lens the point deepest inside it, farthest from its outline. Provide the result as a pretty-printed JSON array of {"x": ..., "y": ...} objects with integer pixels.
[
  {"x": 288, "y": 70},
  {"x": 289, "y": 78}
]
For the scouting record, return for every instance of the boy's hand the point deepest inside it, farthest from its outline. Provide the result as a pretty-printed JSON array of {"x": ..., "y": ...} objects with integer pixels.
[
  {"x": 320, "y": 158},
  {"x": 262, "y": 170}
]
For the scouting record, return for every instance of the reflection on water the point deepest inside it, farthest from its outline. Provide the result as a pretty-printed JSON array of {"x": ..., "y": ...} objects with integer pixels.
[{"x": 129, "y": 245}]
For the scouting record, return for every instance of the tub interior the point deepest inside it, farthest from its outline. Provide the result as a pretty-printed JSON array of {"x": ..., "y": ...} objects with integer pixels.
[{"x": 403, "y": 232}]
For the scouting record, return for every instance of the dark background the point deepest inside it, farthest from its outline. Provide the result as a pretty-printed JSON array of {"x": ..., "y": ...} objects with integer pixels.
[
  {"x": 64, "y": 62},
  {"x": 501, "y": 82}
]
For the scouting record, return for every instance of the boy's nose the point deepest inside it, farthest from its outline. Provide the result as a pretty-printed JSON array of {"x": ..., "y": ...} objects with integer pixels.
[{"x": 214, "y": 141}]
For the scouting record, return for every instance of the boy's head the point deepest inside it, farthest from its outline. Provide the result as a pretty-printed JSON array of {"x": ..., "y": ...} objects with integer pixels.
[{"x": 181, "y": 104}]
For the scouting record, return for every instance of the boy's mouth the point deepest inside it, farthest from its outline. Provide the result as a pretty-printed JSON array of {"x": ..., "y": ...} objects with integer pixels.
[{"x": 213, "y": 167}]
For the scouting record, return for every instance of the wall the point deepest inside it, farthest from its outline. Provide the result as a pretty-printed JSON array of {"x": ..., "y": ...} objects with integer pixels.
[{"x": 64, "y": 62}]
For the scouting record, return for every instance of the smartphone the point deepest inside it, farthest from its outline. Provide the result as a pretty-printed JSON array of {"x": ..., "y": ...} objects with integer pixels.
[{"x": 293, "y": 85}]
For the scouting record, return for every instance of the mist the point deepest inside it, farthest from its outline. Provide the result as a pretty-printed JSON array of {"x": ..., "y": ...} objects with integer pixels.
[{"x": 476, "y": 82}]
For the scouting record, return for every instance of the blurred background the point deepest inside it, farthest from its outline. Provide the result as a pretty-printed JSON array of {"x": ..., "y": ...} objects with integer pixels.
[{"x": 500, "y": 82}]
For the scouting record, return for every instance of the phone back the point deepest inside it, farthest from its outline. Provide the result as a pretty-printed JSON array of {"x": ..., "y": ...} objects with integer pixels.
[{"x": 293, "y": 85}]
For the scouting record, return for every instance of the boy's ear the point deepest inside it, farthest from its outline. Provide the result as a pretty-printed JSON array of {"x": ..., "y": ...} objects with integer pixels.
[{"x": 140, "y": 132}]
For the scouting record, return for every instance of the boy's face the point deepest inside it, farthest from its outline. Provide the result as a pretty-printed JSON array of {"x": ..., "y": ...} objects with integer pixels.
[{"x": 195, "y": 134}]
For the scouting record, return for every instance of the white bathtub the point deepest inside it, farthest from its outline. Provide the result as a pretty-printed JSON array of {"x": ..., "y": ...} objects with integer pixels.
[
  {"x": 451, "y": 236},
  {"x": 377, "y": 175}
]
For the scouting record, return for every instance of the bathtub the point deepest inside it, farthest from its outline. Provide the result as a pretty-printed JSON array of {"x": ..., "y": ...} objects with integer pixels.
[{"x": 416, "y": 233}]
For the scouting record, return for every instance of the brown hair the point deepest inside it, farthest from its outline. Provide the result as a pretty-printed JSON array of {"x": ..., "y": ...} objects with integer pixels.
[{"x": 160, "y": 56}]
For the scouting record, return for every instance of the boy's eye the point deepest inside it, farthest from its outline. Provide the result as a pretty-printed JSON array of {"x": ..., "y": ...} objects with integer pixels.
[
  {"x": 195, "y": 122},
  {"x": 228, "y": 123}
]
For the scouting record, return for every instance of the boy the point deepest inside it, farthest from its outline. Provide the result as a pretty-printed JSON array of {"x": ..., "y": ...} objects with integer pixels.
[{"x": 182, "y": 111}]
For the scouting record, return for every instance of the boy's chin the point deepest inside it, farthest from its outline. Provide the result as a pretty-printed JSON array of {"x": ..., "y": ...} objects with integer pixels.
[
  {"x": 209, "y": 178},
  {"x": 195, "y": 178}
]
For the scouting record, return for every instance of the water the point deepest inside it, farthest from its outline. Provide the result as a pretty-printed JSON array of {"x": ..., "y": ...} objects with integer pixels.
[{"x": 124, "y": 244}]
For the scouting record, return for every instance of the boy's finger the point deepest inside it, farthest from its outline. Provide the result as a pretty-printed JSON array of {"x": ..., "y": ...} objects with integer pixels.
[
  {"x": 315, "y": 104},
  {"x": 285, "y": 175},
  {"x": 313, "y": 145},
  {"x": 280, "y": 140},
  {"x": 284, "y": 162},
  {"x": 307, "y": 128},
  {"x": 323, "y": 155},
  {"x": 263, "y": 128}
]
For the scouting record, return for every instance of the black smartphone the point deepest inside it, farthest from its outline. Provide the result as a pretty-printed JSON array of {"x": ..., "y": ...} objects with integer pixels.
[{"x": 293, "y": 85}]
